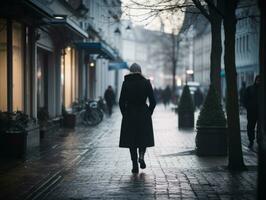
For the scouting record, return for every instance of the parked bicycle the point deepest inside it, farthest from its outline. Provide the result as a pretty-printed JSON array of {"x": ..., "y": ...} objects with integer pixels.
[{"x": 89, "y": 112}]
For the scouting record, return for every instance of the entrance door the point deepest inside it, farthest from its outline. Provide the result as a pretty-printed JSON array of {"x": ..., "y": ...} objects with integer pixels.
[{"x": 42, "y": 78}]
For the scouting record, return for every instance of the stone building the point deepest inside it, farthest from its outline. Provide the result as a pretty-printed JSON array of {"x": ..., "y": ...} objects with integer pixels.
[
  {"x": 246, "y": 46},
  {"x": 53, "y": 52},
  {"x": 152, "y": 50}
]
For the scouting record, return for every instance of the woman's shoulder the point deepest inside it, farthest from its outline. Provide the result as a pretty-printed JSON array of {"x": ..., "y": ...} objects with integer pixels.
[{"x": 134, "y": 77}]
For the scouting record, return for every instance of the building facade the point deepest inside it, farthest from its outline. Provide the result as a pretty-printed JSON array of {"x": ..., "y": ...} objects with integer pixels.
[
  {"x": 246, "y": 46},
  {"x": 152, "y": 50},
  {"x": 53, "y": 52},
  {"x": 247, "y": 42}
]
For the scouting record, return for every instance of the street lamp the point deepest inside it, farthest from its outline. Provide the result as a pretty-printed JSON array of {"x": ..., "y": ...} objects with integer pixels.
[
  {"x": 117, "y": 31},
  {"x": 128, "y": 27},
  {"x": 60, "y": 17},
  {"x": 92, "y": 64},
  {"x": 189, "y": 72}
]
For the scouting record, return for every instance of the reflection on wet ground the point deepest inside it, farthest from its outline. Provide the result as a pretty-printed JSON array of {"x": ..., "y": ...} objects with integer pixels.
[{"x": 86, "y": 163}]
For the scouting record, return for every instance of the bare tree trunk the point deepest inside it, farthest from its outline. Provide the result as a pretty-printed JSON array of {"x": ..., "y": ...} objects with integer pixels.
[
  {"x": 235, "y": 148},
  {"x": 262, "y": 114},
  {"x": 215, "y": 19}
]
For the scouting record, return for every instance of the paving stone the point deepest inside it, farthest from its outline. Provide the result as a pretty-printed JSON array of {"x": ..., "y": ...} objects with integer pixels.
[{"x": 101, "y": 170}]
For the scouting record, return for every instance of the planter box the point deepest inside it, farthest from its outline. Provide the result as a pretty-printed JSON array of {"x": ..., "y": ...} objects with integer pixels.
[
  {"x": 69, "y": 121},
  {"x": 51, "y": 125},
  {"x": 211, "y": 141},
  {"x": 15, "y": 144},
  {"x": 186, "y": 120},
  {"x": 33, "y": 137}
]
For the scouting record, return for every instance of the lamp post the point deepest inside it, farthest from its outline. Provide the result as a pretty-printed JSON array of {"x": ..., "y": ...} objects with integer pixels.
[
  {"x": 189, "y": 72},
  {"x": 118, "y": 32}
]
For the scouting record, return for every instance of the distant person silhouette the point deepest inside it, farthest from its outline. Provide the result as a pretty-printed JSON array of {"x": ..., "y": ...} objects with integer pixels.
[
  {"x": 136, "y": 129},
  {"x": 109, "y": 97},
  {"x": 242, "y": 93},
  {"x": 198, "y": 98},
  {"x": 166, "y": 96},
  {"x": 251, "y": 104}
]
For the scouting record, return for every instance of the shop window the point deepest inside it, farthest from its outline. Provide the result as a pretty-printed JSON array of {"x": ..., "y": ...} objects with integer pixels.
[
  {"x": 42, "y": 78},
  {"x": 68, "y": 88},
  {"x": 236, "y": 45},
  {"x": 3, "y": 65},
  {"x": 74, "y": 68},
  {"x": 240, "y": 44},
  {"x": 244, "y": 44},
  {"x": 247, "y": 43},
  {"x": 68, "y": 76},
  {"x": 18, "y": 69}
]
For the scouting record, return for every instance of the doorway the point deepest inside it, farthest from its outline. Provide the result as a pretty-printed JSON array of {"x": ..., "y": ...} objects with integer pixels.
[{"x": 43, "y": 57}]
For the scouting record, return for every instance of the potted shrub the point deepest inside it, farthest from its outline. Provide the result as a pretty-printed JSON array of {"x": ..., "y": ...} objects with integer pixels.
[
  {"x": 69, "y": 119},
  {"x": 185, "y": 109},
  {"x": 43, "y": 119},
  {"x": 18, "y": 133},
  {"x": 211, "y": 138}
]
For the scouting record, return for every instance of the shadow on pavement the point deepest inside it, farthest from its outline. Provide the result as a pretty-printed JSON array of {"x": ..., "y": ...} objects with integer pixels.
[{"x": 182, "y": 153}]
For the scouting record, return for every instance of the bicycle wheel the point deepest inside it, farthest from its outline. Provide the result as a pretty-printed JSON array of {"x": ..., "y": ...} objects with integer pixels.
[
  {"x": 83, "y": 117},
  {"x": 93, "y": 117},
  {"x": 100, "y": 113}
]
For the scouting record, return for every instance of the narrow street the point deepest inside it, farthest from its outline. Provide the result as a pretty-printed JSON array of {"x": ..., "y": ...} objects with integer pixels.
[
  {"x": 63, "y": 63},
  {"x": 87, "y": 164}
]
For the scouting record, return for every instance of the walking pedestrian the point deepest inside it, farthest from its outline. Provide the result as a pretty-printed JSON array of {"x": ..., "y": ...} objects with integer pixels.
[
  {"x": 198, "y": 98},
  {"x": 109, "y": 97},
  {"x": 251, "y": 104},
  {"x": 242, "y": 93},
  {"x": 166, "y": 96},
  {"x": 242, "y": 96},
  {"x": 136, "y": 129}
]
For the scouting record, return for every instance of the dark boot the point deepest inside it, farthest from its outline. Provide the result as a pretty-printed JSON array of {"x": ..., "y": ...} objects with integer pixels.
[
  {"x": 134, "y": 158},
  {"x": 141, "y": 160},
  {"x": 135, "y": 168}
]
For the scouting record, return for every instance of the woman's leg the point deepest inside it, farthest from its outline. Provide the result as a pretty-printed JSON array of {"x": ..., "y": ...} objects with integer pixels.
[
  {"x": 142, "y": 163},
  {"x": 142, "y": 151},
  {"x": 133, "y": 154},
  {"x": 134, "y": 158}
]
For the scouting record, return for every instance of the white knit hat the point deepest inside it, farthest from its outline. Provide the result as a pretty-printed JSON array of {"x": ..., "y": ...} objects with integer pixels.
[{"x": 135, "y": 68}]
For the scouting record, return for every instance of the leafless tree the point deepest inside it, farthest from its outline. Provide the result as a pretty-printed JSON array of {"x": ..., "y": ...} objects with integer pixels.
[{"x": 215, "y": 12}]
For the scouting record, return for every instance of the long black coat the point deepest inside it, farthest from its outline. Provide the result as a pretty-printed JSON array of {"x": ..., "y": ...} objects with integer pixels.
[
  {"x": 251, "y": 100},
  {"x": 136, "y": 128}
]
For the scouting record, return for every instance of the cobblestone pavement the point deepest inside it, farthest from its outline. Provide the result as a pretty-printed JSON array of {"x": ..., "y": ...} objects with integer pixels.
[
  {"x": 243, "y": 127},
  {"x": 86, "y": 163},
  {"x": 103, "y": 171}
]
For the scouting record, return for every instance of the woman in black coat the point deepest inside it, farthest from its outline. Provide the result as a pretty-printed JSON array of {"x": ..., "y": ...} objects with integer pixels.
[{"x": 136, "y": 128}]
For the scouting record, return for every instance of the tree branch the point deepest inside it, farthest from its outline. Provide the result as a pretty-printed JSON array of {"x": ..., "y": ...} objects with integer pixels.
[
  {"x": 202, "y": 9},
  {"x": 215, "y": 8}
]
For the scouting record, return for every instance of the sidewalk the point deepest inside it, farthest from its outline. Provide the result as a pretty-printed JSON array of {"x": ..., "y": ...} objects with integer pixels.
[
  {"x": 243, "y": 127},
  {"x": 87, "y": 164}
]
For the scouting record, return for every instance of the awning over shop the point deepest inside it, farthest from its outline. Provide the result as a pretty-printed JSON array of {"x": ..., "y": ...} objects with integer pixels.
[
  {"x": 40, "y": 7},
  {"x": 25, "y": 9},
  {"x": 117, "y": 65},
  {"x": 69, "y": 25},
  {"x": 98, "y": 48}
]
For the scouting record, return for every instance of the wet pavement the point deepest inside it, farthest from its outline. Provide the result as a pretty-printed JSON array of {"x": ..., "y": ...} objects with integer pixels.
[{"x": 86, "y": 163}]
